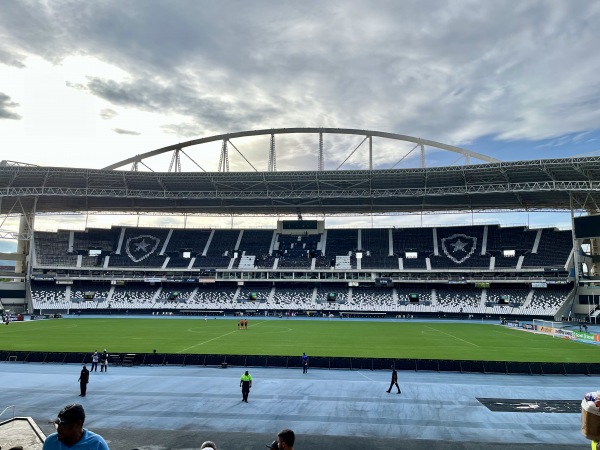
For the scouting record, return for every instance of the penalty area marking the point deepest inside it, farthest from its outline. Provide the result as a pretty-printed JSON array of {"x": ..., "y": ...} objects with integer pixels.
[{"x": 452, "y": 336}]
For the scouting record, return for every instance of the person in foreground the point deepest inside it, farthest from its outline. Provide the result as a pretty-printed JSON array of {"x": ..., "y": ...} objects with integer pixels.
[
  {"x": 285, "y": 440},
  {"x": 71, "y": 434},
  {"x": 246, "y": 384}
]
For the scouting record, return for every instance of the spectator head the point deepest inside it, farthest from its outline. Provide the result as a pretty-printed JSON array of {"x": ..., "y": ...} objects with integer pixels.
[
  {"x": 69, "y": 424},
  {"x": 209, "y": 445},
  {"x": 286, "y": 438}
]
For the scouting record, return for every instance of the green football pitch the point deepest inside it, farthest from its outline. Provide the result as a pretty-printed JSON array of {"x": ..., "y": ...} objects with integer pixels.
[{"x": 411, "y": 340}]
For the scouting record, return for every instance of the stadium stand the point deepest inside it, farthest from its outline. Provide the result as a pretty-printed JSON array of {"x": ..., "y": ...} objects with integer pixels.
[
  {"x": 297, "y": 251},
  {"x": 292, "y": 297},
  {"x": 409, "y": 242},
  {"x": 212, "y": 297},
  {"x": 185, "y": 241},
  {"x": 220, "y": 250},
  {"x": 459, "y": 246},
  {"x": 545, "y": 302},
  {"x": 552, "y": 251},
  {"x": 501, "y": 240},
  {"x": 51, "y": 249},
  {"x": 479, "y": 269},
  {"x": 133, "y": 297},
  {"x": 373, "y": 299},
  {"x": 340, "y": 246},
  {"x": 459, "y": 300},
  {"x": 255, "y": 250},
  {"x": 49, "y": 297},
  {"x": 377, "y": 249}
]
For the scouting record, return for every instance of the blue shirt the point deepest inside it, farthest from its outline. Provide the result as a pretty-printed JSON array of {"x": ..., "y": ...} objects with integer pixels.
[{"x": 89, "y": 441}]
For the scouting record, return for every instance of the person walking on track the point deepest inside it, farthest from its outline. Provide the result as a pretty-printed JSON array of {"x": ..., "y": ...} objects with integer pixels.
[{"x": 394, "y": 381}]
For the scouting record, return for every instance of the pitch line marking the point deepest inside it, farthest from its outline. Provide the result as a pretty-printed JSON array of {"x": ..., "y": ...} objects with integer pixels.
[
  {"x": 215, "y": 338},
  {"x": 452, "y": 336}
]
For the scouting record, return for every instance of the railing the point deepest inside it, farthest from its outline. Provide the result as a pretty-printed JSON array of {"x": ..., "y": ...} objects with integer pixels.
[{"x": 13, "y": 411}]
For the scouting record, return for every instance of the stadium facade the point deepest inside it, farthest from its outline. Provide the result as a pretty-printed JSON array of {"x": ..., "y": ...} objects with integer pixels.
[{"x": 302, "y": 267}]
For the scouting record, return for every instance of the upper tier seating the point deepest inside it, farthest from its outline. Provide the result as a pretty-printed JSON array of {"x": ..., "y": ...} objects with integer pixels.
[
  {"x": 256, "y": 243},
  {"x": 297, "y": 251},
  {"x": 375, "y": 246},
  {"x": 518, "y": 239},
  {"x": 415, "y": 240},
  {"x": 342, "y": 243},
  {"x": 140, "y": 247},
  {"x": 553, "y": 250},
  {"x": 192, "y": 241},
  {"x": 104, "y": 240},
  {"x": 51, "y": 249},
  {"x": 220, "y": 251},
  {"x": 458, "y": 248}
]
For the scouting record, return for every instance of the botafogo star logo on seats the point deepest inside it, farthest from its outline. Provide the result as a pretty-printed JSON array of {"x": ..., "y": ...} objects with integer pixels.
[
  {"x": 139, "y": 248},
  {"x": 459, "y": 247}
]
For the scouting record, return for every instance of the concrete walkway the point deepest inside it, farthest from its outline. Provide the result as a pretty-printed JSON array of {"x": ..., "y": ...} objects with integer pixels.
[{"x": 178, "y": 407}]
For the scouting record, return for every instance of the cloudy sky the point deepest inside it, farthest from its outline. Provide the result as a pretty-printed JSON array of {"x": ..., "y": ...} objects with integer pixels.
[{"x": 90, "y": 83}]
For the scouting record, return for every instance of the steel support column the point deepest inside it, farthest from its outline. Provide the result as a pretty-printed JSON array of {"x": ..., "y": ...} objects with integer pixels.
[{"x": 321, "y": 156}]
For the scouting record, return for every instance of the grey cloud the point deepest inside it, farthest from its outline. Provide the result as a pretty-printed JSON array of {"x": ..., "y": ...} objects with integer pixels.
[
  {"x": 108, "y": 113},
  {"x": 186, "y": 130},
  {"x": 451, "y": 72},
  {"x": 77, "y": 86},
  {"x": 5, "y": 105},
  {"x": 35, "y": 27},
  {"x": 122, "y": 131},
  {"x": 10, "y": 59},
  {"x": 180, "y": 98}
]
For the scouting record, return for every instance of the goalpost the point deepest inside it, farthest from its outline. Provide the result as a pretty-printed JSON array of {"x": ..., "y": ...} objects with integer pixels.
[{"x": 548, "y": 327}]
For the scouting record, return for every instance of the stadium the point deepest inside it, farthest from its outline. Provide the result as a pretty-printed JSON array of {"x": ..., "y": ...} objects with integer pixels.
[{"x": 342, "y": 285}]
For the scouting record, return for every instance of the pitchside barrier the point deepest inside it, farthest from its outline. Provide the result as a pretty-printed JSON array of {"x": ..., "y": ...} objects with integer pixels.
[{"x": 316, "y": 362}]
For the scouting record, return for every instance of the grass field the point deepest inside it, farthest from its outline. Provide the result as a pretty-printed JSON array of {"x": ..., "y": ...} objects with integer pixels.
[{"x": 420, "y": 340}]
